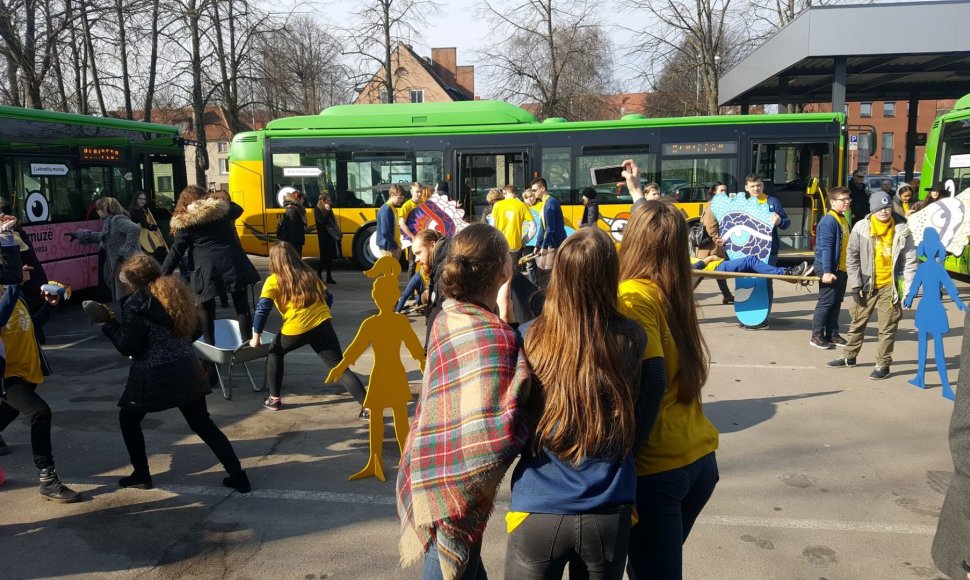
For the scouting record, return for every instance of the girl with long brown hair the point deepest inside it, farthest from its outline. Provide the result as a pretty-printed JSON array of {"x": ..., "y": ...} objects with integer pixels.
[
  {"x": 596, "y": 405},
  {"x": 676, "y": 467},
  {"x": 301, "y": 298},
  {"x": 328, "y": 237},
  {"x": 159, "y": 322},
  {"x": 119, "y": 237}
]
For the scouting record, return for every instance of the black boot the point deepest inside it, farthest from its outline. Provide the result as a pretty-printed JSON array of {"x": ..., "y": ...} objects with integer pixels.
[
  {"x": 52, "y": 488},
  {"x": 330, "y": 279},
  {"x": 139, "y": 479},
  {"x": 238, "y": 481}
]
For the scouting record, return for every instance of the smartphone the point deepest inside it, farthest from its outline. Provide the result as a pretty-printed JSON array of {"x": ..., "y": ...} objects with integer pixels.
[{"x": 606, "y": 175}]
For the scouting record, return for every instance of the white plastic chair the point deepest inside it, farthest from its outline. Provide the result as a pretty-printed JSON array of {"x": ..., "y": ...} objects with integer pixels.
[{"x": 230, "y": 349}]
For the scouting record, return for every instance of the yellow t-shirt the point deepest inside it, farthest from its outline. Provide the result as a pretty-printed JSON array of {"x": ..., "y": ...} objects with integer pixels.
[
  {"x": 682, "y": 433},
  {"x": 882, "y": 246},
  {"x": 509, "y": 215},
  {"x": 295, "y": 320},
  {"x": 905, "y": 208},
  {"x": 406, "y": 208},
  {"x": 538, "y": 207},
  {"x": 844, "y": 250},
  {"x": 23, "y": 360}
]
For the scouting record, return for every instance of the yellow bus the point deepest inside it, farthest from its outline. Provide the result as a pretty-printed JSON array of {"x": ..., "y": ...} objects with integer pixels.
[{"x": 355, "y": 153}]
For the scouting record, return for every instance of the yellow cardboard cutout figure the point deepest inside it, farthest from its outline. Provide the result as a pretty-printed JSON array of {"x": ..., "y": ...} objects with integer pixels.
[{"x": 388, "y": 384}]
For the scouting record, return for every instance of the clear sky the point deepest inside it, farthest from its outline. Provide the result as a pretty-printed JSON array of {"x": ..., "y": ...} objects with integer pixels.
[{"x": 459, "y": 24}]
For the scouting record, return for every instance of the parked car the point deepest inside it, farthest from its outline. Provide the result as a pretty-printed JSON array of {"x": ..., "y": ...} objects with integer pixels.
[{"x": 874, "y": 182}]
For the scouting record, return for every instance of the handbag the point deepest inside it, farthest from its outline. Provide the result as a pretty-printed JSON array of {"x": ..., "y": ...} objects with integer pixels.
[{"x": 698, "y": 236}]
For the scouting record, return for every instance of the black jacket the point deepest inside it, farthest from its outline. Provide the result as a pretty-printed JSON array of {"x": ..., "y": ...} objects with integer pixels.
[
  {"x": 165, "y": 372},
  {"x": 292, "y": 226},
  {"x": 591, "y": 214},
  {"x": 220, "y": 265},
  {"x": 328, "y": 233}
]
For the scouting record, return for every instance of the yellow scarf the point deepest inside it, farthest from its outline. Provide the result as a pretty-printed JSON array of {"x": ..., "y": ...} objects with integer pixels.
[{"x": 882, "y": 245}]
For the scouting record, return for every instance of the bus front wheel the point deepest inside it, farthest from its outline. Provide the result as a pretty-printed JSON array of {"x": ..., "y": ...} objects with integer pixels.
[{"x": 363, "y": 248}]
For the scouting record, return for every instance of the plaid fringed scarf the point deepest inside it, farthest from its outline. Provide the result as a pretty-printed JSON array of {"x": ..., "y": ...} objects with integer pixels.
[{"x": 469, "y": 425}]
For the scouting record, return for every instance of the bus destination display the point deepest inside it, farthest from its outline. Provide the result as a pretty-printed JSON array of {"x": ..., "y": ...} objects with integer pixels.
[
  {"x": 695, "y": 149},
  {"x": 100, "y": 154}
]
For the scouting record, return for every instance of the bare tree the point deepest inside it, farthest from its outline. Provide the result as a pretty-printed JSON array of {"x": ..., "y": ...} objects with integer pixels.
[
  {"x": 302, "y": 70},
  {"x": 29, "y": 32},
  {"x": 550, "y": 52},
  {"x": 694, "y": 36},
  {"x": 379, "y": 26}
]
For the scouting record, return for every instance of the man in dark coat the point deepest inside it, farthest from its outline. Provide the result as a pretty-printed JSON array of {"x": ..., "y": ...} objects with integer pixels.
[
  {"x": 859, "y": 192},
  {"x": 951, "y": 546}
]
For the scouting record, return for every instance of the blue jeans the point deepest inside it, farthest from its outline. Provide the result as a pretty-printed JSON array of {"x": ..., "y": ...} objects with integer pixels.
[
  {"x": 749, "y": 264},
  {"x": 825, "y": 322},
  {"x": 415, "y": 284},
  {"x": 432, "y": 567},
  {"x": 668, "y": 504}
]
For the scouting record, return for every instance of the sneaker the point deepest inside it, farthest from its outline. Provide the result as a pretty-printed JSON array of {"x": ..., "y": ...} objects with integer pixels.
[
  {"x": 762, "y": 326},
  {"x": 837, "y": 340},
  {"x": 364, "y": 415},
  {"x": 273, "y": 403},
  {"x": 3, "y": 447},
  {"x": 879, "y": 373},
  {"x": 799, "y": 270},
  {"x": 819, "y": 342},
  {"x": 841, "y": 362}
]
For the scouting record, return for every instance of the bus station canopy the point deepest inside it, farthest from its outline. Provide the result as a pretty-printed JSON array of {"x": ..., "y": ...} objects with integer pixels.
[{"x": 892, "y": 51}]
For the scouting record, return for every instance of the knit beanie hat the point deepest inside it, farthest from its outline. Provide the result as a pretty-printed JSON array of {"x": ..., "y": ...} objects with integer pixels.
[{"x": 878, "y": 201}]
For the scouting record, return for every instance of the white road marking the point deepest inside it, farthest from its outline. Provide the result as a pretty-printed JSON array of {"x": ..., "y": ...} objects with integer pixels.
[
  {"x": 389, "y": 500},
  {"x": 70, "y": 344}
]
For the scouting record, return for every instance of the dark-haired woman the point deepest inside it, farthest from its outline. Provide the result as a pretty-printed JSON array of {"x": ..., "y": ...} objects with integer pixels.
[
  {"x": 574, "y": 487},
  {"x": 158, "y": 324},
  {"x": 205, "y": 227},
  {"x": 591, "y": 209},
  {"x": 328, "y": 237},
  {"x": 716, "y": 245},
  {"x": 292, "y": 227},
  {"x": 469, "y": 423},
  {"x": 676, "y": 467}
]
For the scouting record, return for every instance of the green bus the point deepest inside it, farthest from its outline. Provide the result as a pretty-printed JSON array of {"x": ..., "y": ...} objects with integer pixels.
[
  {"x": 947, "y": 161},
  {"x": 53, "y": 166},
  {"x": 354, "y": 153}
]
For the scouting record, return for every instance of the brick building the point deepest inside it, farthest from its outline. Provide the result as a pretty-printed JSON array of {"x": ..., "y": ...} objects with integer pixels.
[
  {"x": 419, "y": 79},
  {"x": 887, "y": 155}
]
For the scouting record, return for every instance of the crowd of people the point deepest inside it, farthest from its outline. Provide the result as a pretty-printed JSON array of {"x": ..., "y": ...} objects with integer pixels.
[{"x": 592, "y": 382}]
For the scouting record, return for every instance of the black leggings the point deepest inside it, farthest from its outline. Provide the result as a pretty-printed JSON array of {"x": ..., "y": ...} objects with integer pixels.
[
  {"x": 197, "y": 416},
  {"x": 323, "y": 340},
  {"x": 243, "y": 314},
  {"x": 19, "y": 396}
]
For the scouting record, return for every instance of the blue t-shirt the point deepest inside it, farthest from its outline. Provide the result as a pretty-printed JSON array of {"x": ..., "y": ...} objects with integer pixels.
[{"x": 543, "y": 484}]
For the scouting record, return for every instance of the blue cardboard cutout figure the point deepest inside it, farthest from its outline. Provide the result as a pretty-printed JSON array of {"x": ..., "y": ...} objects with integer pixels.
[
  {"x": 745, "y": 227},
  {"x": 930, "y": 313}
]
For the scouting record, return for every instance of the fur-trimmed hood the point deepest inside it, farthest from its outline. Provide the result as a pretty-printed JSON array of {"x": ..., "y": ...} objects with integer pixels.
[{"x": 203, "y": 211}]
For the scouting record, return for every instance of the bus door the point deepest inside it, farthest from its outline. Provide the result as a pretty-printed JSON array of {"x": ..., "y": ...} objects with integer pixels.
[
  {"x": 479, "y": 171},
  {"x": 787, "y": 170}
]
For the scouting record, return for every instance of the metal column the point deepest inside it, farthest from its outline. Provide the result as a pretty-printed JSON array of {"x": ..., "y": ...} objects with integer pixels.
[
  {"x": 910, "y": 163},
  {"x": 838, "y": 85}
]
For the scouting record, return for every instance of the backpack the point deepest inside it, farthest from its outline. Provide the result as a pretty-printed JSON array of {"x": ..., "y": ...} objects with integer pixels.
[{"x": 698, "y": 236}]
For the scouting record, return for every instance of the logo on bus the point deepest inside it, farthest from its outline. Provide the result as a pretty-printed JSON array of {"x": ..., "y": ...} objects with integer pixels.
[
  {"x": 616, "y": 224},
  {"x": 37, "y": 206}
]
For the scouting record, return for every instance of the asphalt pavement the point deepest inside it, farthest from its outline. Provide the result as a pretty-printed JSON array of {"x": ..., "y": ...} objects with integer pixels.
[{"x": 824, "y": 473}]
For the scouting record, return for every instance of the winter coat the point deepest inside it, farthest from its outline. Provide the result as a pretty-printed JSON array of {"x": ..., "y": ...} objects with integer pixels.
[
  {"x": 713, "y": 230},
  {"x": 293, "y": 225},
  {"x": 220, "y": 265},
  {"x": 328, "y": 234},
  {"x": 951, "y": 546},
  {"x": 165, "y": 372},
  {"x": 860, "y": 260},
  {"x": 120, "y": 238}
]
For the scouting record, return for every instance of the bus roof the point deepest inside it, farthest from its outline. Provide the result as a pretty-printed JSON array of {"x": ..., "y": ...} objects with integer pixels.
[
  {"x": 84, "y": 120},
  {"x": 487, "y": 117}
]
